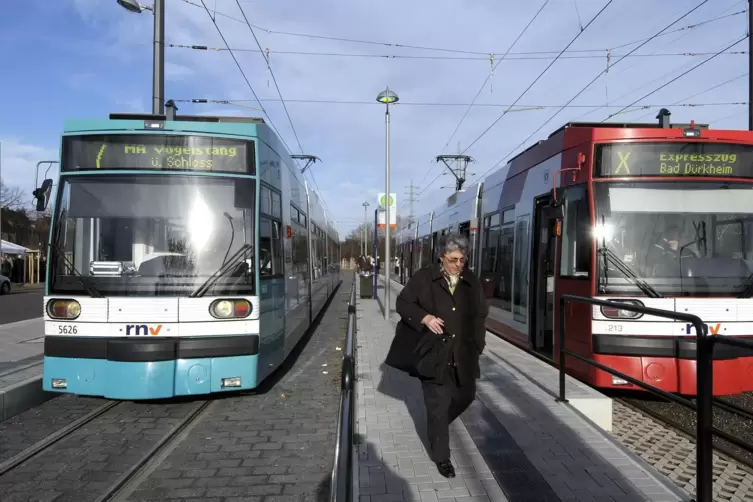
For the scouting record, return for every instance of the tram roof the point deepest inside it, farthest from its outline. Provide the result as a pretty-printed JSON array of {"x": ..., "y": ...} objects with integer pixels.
[{"x": 626, "y": 125}]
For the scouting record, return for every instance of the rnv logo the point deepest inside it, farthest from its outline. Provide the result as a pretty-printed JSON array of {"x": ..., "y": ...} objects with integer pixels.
[{"x": 142, "y": 329}]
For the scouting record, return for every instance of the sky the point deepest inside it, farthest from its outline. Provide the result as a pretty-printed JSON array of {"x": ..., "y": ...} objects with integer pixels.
[{"x": 84, "y": 59}]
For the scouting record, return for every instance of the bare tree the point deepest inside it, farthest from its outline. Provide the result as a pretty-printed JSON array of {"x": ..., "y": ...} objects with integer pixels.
[{"x": 10, "y": 196}]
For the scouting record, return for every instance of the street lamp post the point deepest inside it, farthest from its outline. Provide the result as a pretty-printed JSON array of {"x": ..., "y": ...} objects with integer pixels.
[
  {"x": 365, "y": 233},
  {"x": 387, "y": 97},
  {"x": 158, "y": 42}
]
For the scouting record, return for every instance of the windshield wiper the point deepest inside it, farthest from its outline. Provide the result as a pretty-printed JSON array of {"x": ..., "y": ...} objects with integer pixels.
[
  {"x": 620, "y": 265},
  {"x": 224, "y": 269},
  {"x": 85, "y": 282}
]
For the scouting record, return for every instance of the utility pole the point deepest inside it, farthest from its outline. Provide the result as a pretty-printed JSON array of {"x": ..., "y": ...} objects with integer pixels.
[
  {"x": 365, "y": 233},
  {"x": 750, "y": 65},
  {"x": 412, "y": 199},
  {"x": 460, "y": 168}
]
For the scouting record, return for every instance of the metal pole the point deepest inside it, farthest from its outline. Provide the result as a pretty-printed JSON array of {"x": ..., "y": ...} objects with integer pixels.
[
  {"x": 387, "y": 265},
  {"x": 750, "y": 65},
  {"x": 704, "y": 390},
  {"x": 158, "y": 70},
  {"x": 376, "y": 248}
]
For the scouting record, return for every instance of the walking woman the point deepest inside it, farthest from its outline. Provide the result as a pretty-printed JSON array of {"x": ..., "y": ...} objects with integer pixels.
[{"x": 445, "y": 301}]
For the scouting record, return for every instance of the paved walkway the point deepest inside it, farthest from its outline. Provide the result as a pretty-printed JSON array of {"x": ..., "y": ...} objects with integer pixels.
[{"x": 514, "y": 443}]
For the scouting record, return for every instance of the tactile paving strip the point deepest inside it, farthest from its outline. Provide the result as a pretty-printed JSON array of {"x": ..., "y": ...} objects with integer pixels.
[{"x": 673, "y": 454}]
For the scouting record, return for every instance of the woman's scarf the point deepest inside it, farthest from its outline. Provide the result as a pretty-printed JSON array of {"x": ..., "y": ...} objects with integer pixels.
[{"x": 452, "y": 280}]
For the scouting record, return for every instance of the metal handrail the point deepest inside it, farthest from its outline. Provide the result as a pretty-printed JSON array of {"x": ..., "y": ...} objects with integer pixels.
[
  {"x": 341, "y": 488},
  {"x": 704, "y": 381}
]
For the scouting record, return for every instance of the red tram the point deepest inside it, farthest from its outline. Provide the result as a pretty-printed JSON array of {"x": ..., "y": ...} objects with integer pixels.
[{"x": 659, "y": 215}]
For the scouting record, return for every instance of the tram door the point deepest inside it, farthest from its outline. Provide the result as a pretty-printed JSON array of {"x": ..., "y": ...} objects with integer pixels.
[{"x": 542, "y": 304}]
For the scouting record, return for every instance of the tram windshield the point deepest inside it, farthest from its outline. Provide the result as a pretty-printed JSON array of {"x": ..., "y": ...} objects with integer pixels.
[
  {"x": 674, "y": 239},
  {"x": 153, "y": 235}
]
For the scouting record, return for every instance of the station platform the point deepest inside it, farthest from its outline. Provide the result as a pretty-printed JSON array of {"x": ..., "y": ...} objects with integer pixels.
[
  {"x": 515, "y": 443},
  {"x": 21, "y": 353}
]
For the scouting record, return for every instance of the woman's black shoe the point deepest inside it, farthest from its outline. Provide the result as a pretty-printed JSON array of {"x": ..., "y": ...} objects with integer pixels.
[{"x": 446, "y": 469}]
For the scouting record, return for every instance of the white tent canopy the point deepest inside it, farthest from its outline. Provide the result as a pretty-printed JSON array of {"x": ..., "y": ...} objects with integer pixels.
[{"x": 10, "y": 248}]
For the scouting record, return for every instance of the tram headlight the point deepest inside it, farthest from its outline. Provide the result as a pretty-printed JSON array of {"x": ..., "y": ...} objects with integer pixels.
[
  {"x": 230, "y": 309},
  {"x": 63, "y": 309},
  {"x": 617, "y": 313}
]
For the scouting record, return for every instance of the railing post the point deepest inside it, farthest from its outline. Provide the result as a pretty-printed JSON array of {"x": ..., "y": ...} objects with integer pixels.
[
  {"x": 704, "y": 391},
  {"x": 561, "y": 342}
]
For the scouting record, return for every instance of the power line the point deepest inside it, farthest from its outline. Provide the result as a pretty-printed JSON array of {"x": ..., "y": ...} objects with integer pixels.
[
  {"x": 540, "y": 75},
  {"x": 271, "y": 72},
  {"x": 519, "y": 108},
  {"x": 520, "y": 35},
  {"x": 646, "y": 41},
  {"x": 505, "y": 57},
  {"x": 486, "y": 54},
  {"x": 674, "y": 79},
  {"x": 248, "y": 83}
]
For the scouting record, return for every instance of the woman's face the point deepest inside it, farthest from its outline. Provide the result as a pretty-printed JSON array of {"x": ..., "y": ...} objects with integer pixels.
[{"x": 453, "y": 262}]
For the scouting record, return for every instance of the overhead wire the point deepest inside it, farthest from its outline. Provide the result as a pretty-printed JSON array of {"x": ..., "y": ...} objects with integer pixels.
[
  {"x": 680, "y": 101},
  {"x": 243, "y": 74},
  {"x": 589, "y": 84},
  {"x": 520, "y": 108},
  {"x": 271, "y": 72},
  {"x": 674, "y": 79},
  {"x": 539, "y": 76},
  {"x": 440, "y": 49},
  {"x": 505, "y": 57},
  {"x": 483, "y": 85}
]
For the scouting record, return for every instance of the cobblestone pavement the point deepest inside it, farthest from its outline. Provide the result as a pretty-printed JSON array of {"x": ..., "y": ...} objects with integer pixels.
[
  {"x": 20, "y": 432},
  {"x": 278, "y": 444},
  {"x": 83, "y": 465}
]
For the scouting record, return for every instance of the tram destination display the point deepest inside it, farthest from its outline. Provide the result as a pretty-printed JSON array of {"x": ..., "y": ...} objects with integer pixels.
[
  {"x": 617, "y": 160},
  {"x": 157, "y": 152}
]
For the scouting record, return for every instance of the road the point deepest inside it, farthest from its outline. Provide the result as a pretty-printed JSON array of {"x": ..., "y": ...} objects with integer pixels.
[{"x": 21, "y": 305}]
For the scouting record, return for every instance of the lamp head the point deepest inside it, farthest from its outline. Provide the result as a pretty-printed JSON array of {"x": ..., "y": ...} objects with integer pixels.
[{"x": 387, "y": 97}]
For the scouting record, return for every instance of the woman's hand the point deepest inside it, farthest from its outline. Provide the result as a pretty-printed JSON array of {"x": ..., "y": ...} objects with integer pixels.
[{"x": 435, "y": 324}]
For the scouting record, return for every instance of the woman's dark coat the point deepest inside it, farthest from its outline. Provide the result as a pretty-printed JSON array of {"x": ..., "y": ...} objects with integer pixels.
[{"x": 464, "y": 315}]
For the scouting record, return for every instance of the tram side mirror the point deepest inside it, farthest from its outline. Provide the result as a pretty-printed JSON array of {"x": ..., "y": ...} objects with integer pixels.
[{"x": 42, "y": 194}]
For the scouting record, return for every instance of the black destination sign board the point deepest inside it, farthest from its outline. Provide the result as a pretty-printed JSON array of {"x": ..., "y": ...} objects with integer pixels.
[
  {"x": 674, "y": 159},
  {"x": 160, "y": 152}
]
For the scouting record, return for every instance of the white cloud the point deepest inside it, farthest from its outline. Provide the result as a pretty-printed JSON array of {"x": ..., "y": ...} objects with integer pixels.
[
  {"x": 18, "y": 162},
  {"x": 350, "y": 138}
]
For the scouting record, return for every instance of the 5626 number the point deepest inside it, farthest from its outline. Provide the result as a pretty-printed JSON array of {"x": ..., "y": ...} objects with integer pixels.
[{"x": 67, "y": 330}]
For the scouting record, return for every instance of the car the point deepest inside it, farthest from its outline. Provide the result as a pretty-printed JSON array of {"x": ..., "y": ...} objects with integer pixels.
[{"x": 4, "y": 285}]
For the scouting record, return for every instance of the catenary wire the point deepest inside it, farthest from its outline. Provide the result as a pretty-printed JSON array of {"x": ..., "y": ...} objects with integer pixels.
[
  {"x": 272, "y": 73},
  {"x": 505, "y": 57},
  {"x": 539, "y": 76},
  {"x": 594, "y": 80},
  {"x": 442, "y": 49}
]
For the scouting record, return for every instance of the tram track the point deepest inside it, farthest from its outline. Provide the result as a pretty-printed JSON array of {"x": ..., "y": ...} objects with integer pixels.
[
  {"x": 57, "y": 436},
  {"x": 119, "y": 443},
  {"x": 131, "y": 479}
]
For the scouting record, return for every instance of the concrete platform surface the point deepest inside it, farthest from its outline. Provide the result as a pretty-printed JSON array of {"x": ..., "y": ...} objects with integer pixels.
[
  {"x": 514, "y": 443},
  {"x": 21, "y": 353}
]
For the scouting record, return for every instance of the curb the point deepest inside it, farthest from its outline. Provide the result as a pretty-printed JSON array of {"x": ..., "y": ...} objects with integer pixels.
[{"x": 21, "y": 396}]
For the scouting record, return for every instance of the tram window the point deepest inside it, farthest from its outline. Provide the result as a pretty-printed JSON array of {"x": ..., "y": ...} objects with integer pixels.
[
  {"x": 265, "y": 201},
  {"x": 520, "y": 277},
  {"x": 276, "y": 205},
  {"x": 576, "y": 241},
  {"x": 294, "y": 214},
  {"x": 504, "y": 267},
  {"x": 300, "y": 253},
  {"x": 270, "y": 248}
]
